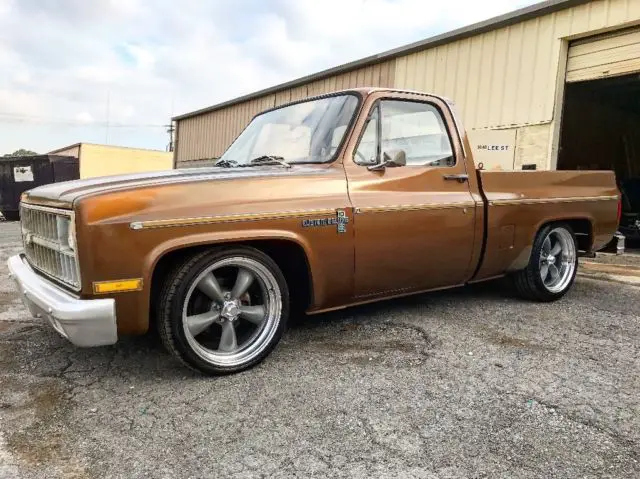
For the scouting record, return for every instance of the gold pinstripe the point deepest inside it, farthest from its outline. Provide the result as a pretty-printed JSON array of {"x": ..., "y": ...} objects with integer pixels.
[
  {"x": 200, "y": 220},
  {"x": 426, "y": 206},
  {"x": 175, "y": 222},
  {"x": 538, "y": 201}
]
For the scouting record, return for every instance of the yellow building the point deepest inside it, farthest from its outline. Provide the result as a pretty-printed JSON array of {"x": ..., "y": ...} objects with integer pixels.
[
  {"x": 104, "y": 160},
  {"x": 553, "y": 85}
]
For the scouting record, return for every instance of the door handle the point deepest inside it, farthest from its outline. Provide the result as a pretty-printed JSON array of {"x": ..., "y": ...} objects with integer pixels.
[{"x": 461, "y": 178}]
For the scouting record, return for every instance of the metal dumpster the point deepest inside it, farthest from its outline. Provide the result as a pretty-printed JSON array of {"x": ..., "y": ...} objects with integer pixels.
[{"x": 22, "y": 173}]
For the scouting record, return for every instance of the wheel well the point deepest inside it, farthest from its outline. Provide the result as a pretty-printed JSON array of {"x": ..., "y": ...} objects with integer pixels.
[
  {"x": 289, "y": 256},
  {"x": 583, "y": 230}
]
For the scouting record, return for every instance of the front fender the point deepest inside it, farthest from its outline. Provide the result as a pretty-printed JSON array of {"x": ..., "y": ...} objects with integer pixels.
[
  {"x": 136, "y": 307},
  {"x": 222, "y": 237},
  {"x": 329, "y": 257}
]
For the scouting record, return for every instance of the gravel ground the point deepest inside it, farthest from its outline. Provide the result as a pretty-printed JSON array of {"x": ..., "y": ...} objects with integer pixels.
[
  {"x": 631, "y": 257},
  {"x": 9, "y": 232},
  {"x": 468, "y": 383}
]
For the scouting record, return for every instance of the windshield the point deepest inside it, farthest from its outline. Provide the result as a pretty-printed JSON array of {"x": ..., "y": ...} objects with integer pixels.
[{"x": 306, "y": 132}]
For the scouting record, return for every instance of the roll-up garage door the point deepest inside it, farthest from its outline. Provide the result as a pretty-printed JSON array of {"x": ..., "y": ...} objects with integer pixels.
[{"x": 604, "y": 56}]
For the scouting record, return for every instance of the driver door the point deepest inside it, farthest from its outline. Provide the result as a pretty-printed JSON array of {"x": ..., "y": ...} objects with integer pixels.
[{"x": 414, "y": 225}]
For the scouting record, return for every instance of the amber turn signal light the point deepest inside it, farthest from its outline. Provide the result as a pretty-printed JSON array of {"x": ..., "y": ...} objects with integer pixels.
[{"x": 117, "y": 286}]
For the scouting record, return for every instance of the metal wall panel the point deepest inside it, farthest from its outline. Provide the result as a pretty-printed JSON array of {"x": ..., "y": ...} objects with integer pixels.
[
  {"x": 103, "y": 160},
  {"x": 532, "y": 146},
  {"x": 605, "y": 56},
  {"x": 507, "y": 77},
  {"x": 500, "y": 79},
  {"x": 207, "y": 136}
]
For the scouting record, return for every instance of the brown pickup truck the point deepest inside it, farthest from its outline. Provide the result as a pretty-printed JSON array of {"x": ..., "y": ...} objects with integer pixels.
[{"x": 333, "y": 201}]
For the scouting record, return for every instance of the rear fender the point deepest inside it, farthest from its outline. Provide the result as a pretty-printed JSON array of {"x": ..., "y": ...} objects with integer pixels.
[{"x": 523, "y": 258}]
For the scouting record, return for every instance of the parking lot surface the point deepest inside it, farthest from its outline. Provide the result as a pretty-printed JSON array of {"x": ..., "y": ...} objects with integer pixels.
[
  {"x": 466, "y": 383},
  {"x": 9, "y": 232}
]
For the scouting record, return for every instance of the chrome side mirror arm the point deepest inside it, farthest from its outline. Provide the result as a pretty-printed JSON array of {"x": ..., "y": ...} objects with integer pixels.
[{"x": 391, "y": 158}]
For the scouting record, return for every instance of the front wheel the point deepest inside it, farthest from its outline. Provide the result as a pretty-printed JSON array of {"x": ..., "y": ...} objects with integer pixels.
[
  {"x": 224, "y": 311},
  {"x": 552, "y": 266}
]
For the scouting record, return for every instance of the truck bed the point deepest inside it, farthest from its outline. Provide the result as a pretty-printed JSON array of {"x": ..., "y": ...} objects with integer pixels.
[{"x": 517, "y": 204}]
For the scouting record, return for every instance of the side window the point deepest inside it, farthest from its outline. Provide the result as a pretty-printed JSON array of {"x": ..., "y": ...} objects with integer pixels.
[
  {"x": 419, "y": 130},
  {"x": 367, "y": 151}
]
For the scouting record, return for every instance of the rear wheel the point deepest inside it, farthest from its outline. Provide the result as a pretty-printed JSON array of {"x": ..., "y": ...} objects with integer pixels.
[
  {"x": 224, "y": 311},
  {"x": 552, "y": 266}
]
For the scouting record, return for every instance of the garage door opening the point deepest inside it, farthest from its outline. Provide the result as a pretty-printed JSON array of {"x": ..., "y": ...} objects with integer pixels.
[
  {"x": 601, "y": 131},
  {"x": 601, "y": 126}
]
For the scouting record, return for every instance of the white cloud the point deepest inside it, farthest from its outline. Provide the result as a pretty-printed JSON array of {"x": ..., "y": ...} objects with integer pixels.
[
  {"x": 151, "y": 59},
  {"x": 144, "y": 59},
  {"x": 127, "y": 111},
  {"x": 16, "y": 103},
  {"x": 84, "y": 117},
  {"x": 21, "y": 76},
  {"x": 127, "y": 8}
]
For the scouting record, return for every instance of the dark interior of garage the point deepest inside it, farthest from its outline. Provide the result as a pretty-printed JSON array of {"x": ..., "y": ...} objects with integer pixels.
[
  {"x": 601, "y": 131},
  {"x": 601, "y": 126}
]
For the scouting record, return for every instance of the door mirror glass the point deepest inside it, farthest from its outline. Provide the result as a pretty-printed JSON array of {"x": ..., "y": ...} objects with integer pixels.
[{"x": 395, "y": 157}]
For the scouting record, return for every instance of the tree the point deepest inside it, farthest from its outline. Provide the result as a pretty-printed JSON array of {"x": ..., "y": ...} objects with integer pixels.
[{"x": 22, "y": 152}]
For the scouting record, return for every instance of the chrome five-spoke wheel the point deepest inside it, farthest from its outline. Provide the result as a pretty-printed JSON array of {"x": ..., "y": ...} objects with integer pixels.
[
  {"x": 232, "y": 309},
  {"x": 557, "y": 259},
  {"x": 552, "y": 264}
]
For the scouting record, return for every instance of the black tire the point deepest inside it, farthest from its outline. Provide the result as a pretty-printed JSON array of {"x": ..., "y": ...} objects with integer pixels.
[
  {"x": 529, "y": 283},
  {"x": 179, "y": 287}
]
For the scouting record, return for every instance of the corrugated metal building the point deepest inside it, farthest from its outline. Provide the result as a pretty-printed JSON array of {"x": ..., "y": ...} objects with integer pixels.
[
  {"x": 104, "y": 160},
  {"x": 512, "y": 77}
]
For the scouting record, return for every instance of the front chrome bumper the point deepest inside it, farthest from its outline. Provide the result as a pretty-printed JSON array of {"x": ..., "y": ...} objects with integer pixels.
[{"x": 85, "y": 323}]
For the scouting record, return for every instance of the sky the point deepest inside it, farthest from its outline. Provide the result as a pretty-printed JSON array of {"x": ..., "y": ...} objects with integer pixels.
[{"x": 116, "y": 71}]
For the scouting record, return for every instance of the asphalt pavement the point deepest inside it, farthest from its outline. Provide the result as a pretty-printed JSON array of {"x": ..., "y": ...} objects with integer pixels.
[{"x": 465, "y": 383}]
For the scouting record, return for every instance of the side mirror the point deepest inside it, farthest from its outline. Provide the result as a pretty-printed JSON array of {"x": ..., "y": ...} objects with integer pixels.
[{"x": 392, "y": 159}]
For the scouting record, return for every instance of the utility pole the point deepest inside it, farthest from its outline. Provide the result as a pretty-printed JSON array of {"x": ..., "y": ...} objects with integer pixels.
[{"x": 170, "y": 129}]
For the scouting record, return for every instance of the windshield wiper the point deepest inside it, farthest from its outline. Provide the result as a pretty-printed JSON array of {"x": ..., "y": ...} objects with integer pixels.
[
  {"x": 270, "y": 160},
  {"x": 224, "y": 163}
]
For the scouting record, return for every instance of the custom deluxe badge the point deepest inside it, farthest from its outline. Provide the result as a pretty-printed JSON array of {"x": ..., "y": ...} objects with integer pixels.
[{"x": 340, "y": 220}]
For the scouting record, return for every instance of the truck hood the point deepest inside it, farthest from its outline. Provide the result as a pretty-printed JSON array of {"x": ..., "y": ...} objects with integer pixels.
[{"x": 64, "y": 194}]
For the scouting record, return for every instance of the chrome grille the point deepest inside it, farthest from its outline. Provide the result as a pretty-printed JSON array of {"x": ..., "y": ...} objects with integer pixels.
[{"x": 45, "y": 234}]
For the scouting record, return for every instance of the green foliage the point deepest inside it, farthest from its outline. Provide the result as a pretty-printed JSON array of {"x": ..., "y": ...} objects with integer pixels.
[{"x": 22, "y": 152}]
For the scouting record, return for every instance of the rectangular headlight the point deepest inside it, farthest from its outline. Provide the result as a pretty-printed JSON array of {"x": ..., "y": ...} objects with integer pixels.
[{"x": 66, "y": 229}]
